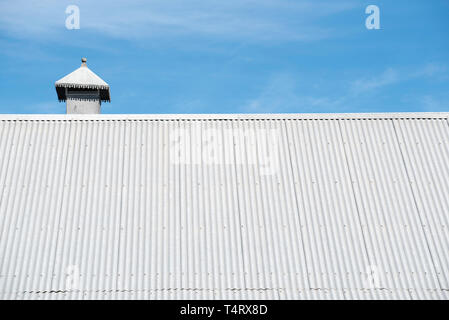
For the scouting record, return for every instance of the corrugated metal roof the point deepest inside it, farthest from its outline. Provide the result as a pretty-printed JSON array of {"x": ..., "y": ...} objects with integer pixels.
[{"x": 330, "y": 206}]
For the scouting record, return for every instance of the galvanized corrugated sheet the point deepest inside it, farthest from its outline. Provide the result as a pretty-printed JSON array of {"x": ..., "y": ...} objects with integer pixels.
[{"x": 224, "y": 206}]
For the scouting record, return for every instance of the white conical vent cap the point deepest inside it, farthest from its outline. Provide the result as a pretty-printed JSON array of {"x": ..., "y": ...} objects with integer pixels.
[{"x": 82, "y": 78}]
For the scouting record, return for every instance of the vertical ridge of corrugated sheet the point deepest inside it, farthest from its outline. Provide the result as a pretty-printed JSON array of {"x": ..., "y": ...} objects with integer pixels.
[{"x": 356, "y": 208}]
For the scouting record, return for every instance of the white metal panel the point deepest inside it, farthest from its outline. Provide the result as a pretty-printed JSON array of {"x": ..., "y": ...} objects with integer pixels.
[
  {"x": 425, "y": 148},
  {"x": 395, "y": 239},
  {"x": 185, "y": 207},
  {"x": 335, "y": 246}
]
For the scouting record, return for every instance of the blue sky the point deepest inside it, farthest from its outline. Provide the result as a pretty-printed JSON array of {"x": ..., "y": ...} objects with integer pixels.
[{"x": 234, "y": 56}]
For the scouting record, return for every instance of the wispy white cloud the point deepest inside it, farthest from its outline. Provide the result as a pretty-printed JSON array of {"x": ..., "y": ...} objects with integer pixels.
[
  {"x": 388, "y": 77},
  {"x": 277, "y": 95},
  {"x": 434, "y": 103},
  {"x": 431, "y": 70},
  {"x": 284, "y": 92},
  {"x": 136, "y": 19},
  {"x": 392, "y": 76}
]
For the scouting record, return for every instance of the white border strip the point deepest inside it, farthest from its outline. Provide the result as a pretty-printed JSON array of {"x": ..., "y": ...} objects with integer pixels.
[{"x": 265, "y": 116}]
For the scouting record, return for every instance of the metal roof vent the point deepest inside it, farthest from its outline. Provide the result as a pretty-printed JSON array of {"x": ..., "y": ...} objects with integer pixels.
[{"x": 82, "y": 90}]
